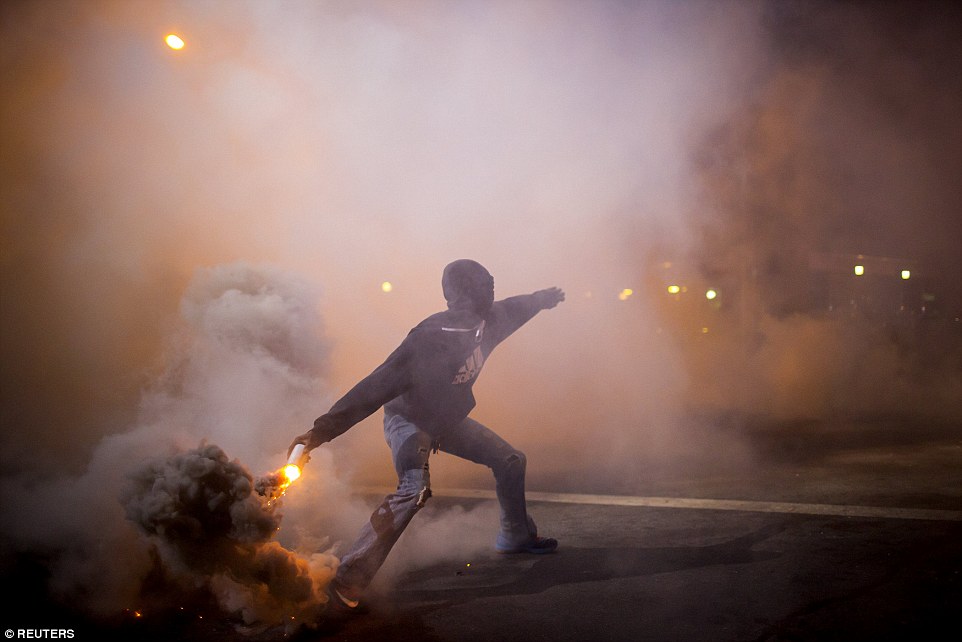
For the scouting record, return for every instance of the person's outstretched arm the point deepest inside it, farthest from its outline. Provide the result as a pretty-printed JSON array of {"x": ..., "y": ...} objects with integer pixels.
[
  {"x": 515, "y": 311},
  {"x": 386, "y": 382}
]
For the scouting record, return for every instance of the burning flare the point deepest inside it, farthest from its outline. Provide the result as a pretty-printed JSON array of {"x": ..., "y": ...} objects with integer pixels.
[
  {"x": 274, "y": 485},
  {"x": 292, "y": 472}
]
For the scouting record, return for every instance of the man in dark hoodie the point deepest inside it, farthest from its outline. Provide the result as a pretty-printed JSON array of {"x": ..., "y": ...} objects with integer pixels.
[{"x": 425, "y": 389}]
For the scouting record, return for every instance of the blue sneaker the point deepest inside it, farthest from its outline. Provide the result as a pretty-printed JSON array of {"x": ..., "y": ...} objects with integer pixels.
[
  {"x": 535, "y": 546},
  {"x": 339, "y": 601}
]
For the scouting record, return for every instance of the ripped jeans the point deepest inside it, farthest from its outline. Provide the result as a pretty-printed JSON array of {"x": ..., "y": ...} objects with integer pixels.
[{"x": 410, "y": 449}]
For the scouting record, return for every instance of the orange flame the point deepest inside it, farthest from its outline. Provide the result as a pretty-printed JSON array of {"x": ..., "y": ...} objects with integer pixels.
[
  {"x": 276, "y": 484},
  {"x": 291, "y": 472}
]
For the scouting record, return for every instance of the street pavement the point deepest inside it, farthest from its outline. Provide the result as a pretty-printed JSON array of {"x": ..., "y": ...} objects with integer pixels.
[
  {"x": 845, "y": 537},
  {"x": 682, "y": 573}
]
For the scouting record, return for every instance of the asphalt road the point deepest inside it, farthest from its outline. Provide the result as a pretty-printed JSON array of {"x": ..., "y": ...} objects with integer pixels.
[
  {"x": 642, "y": 573},
  {"x": 846, "y": 535},
  {"x": 859, "y": 538}
]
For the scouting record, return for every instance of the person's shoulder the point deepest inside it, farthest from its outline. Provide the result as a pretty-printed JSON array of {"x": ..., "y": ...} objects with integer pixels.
[
  {"x": 434, "y": 322},
  {"x": 426, "y": 336},
  {"x": 429, "y": 326},
  {"x": 499, "y": 309}
]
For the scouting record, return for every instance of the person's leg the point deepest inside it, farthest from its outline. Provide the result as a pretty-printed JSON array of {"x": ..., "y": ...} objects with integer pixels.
[
  {"x": 472, "y": 441},
  {"x": 410, "y": 448}
]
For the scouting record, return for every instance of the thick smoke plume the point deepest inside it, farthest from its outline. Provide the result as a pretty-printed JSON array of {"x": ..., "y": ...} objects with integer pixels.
[
  {"x": 212, "y": 530},
  {"x": 242, "y": 368}
]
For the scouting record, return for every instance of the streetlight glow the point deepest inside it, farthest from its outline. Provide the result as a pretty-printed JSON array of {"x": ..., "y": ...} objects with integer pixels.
[
  {"x": 906, "y": 274},
  {"x": 174, "y": 41},
  {"x": 711, "y": 294},
  {"x": 859, "y": 270},
  {"x": 673, "y": 289}
]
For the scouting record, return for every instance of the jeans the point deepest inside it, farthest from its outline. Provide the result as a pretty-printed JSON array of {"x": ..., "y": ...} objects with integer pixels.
[{"x": 410, "y": 448}]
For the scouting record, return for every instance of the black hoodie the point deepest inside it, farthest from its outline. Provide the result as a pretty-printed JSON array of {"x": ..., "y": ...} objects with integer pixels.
[{"x": 428, "y": 378}]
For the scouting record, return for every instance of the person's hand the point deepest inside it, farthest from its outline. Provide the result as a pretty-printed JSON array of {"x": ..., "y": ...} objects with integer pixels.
[
  {"x": 310, "y": 439},
  {"x": 549, "y": 297}
]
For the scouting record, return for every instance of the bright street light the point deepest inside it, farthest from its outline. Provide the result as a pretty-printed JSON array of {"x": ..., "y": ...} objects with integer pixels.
[{"x": 174, "y": 41}]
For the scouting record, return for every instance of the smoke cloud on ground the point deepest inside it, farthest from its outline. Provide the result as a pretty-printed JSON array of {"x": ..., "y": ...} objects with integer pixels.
[
  {"x": 212, "y": 530},
  {"x": 155, "y": 516},
  {"x": 193, "y": 243}
]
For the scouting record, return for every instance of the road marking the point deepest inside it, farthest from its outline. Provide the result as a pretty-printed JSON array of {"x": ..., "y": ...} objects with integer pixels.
[{"x": 789, "y": 508}]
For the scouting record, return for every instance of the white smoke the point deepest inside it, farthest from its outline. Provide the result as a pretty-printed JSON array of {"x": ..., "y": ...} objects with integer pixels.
[{"x": 242, "y": 372}]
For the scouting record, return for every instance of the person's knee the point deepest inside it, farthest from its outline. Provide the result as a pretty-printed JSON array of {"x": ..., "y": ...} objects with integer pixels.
[
  {"x": 514, "y": 464},
  {"x": 415, "y": 485},
  {"x": 412, "y": 453}
]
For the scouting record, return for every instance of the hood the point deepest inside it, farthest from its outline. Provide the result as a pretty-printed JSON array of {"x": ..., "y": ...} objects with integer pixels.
[{"x": 468, "y": 286}]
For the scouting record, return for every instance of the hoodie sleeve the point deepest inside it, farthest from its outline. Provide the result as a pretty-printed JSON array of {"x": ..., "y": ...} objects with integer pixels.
[
  {"x": 386, "y": 382},
  {"x": 507, "y": 315}
]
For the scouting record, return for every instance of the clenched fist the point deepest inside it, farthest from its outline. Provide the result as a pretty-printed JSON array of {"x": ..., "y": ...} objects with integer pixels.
[{"x": 549, "y": 298}]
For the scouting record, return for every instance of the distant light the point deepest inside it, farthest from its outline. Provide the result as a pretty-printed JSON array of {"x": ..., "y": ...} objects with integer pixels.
[
  {"x": 711, "y": 294},
  {"x": 174, "y": 41},
  {"x": 859, "y": 270},
  {"x": 624, "y": 294},
  {"x": 673, "y": 289},
  {"x": 386, "y": 286},
  {"x": 906, "y": 274},
  {"x": 704, "y": 330}
]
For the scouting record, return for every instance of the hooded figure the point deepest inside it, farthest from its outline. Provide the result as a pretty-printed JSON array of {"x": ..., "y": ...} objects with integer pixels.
[
  {"x": 468, "y": 286},
  {"x": 425, "y": 388}
]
